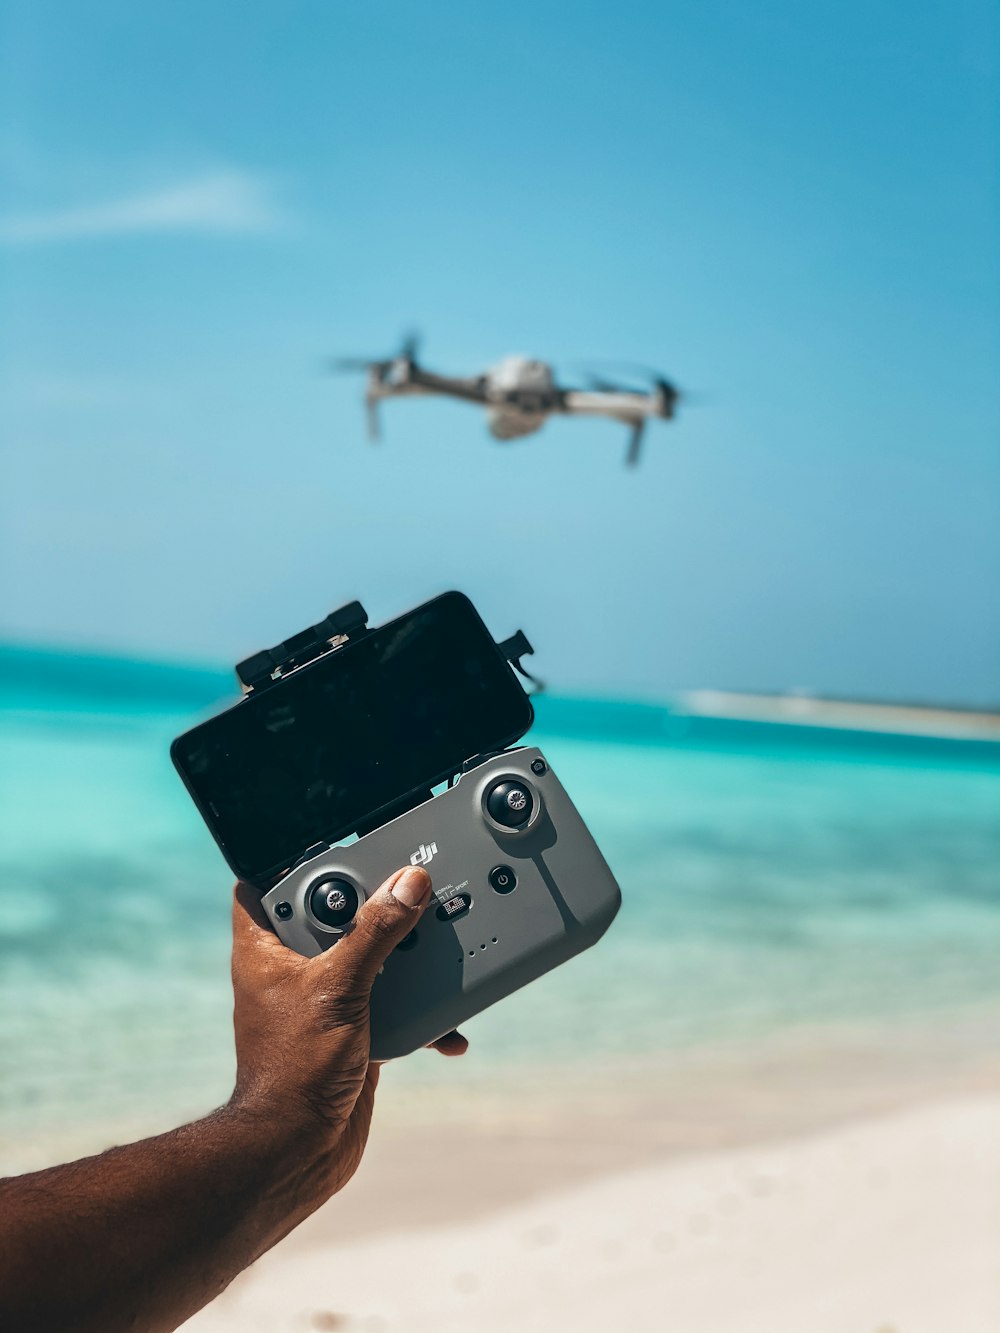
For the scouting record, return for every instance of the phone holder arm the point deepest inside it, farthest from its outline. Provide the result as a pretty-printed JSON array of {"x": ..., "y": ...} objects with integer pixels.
[{"x": 516, "y": 647}]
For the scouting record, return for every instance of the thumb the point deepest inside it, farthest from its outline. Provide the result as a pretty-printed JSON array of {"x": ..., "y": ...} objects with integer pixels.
[{"x": 387, "y": 917}]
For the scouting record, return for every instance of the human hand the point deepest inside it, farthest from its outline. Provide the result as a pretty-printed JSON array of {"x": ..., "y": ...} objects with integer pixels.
[{"x": 302, "y": 1024}]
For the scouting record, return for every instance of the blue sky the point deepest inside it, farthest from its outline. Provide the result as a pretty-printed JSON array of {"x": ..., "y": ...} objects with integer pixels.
[{"x": 791, "y": 209}]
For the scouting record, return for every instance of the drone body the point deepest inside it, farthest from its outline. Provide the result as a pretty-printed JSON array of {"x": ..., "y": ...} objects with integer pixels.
[{"x": 518, "y": 394}]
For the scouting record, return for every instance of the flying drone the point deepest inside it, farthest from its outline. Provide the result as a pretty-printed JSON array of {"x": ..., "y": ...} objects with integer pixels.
[{"x": 519, "y": 394}]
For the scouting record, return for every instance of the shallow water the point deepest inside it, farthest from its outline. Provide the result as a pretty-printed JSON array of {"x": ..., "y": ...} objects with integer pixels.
[{"x": 770, "y": 881}]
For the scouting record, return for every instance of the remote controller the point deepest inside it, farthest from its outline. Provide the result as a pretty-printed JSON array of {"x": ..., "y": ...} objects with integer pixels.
[{"x": 520, "y": 886}]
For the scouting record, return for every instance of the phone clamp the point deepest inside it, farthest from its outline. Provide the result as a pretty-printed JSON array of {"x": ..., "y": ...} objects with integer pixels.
[{"x": 265, "y": 668}]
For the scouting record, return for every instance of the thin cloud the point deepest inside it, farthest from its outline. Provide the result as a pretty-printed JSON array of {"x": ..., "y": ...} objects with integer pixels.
[{"x": 223, "y": 202}]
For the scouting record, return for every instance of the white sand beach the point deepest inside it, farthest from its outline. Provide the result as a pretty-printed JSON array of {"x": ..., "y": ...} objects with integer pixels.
[{"x": 890, "y": 1224}]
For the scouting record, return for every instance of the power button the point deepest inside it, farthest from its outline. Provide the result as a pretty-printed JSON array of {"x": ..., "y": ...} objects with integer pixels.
[{"x": 503, "y": 879}]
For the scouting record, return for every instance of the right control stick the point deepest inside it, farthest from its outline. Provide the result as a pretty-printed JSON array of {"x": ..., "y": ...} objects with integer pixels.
[{"x": 510, "y": 803}]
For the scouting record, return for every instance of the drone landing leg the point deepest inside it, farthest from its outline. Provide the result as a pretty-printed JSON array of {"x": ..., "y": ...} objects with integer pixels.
[
  {"x": 371, "y": 408},
  {"x": 635, "y": 444}
]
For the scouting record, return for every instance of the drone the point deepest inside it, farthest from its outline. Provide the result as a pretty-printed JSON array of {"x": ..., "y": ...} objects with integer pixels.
[{"x": 519, "y": 394}]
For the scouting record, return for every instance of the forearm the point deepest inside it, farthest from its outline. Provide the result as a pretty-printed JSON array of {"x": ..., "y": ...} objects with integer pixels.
[{"x": 143, "y": 1236}]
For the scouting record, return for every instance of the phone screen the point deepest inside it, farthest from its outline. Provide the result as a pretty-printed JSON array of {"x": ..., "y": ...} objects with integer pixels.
[{"x": 310, "y": 758}]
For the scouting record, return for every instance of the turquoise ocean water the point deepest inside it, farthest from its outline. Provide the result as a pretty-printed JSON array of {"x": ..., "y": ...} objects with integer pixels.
[{"x": 772, "y": 879}]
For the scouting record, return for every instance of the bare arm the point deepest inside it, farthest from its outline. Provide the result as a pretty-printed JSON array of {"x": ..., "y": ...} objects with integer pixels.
[{"x": 142, "y": 1236}]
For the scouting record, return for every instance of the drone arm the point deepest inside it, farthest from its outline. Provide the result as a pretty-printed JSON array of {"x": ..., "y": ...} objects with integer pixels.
[
  {"x": 471, "y": 390},
  {"x": 599, "y": 403}
]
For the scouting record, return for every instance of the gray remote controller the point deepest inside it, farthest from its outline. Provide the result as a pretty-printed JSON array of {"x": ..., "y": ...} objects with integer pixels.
[{"x": 520, "y": 886}]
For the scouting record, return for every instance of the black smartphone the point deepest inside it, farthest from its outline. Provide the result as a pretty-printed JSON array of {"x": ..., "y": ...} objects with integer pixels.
[{"x": 324, "y": 750}]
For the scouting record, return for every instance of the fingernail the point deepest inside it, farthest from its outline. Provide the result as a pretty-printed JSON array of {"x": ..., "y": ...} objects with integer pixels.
[{"x": 413, "y": 887}]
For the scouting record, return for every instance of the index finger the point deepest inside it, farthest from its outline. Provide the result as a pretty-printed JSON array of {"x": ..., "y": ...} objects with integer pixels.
[{"x": 251, "y": 927}]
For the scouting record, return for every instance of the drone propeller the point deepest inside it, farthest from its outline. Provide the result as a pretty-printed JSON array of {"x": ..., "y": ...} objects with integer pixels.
[
  {"x": 338, "y": 363},
  {"x": 601, "y": 385},
  {"x": 654, "y": 379},
  {"x": 410, "y": 346},
  {"x": 597, "y": 365},
  {"x": 408, "y": 349}
]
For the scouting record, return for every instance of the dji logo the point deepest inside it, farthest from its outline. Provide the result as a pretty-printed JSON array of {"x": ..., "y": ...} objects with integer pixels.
[{"x": 424, "y": 854}]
